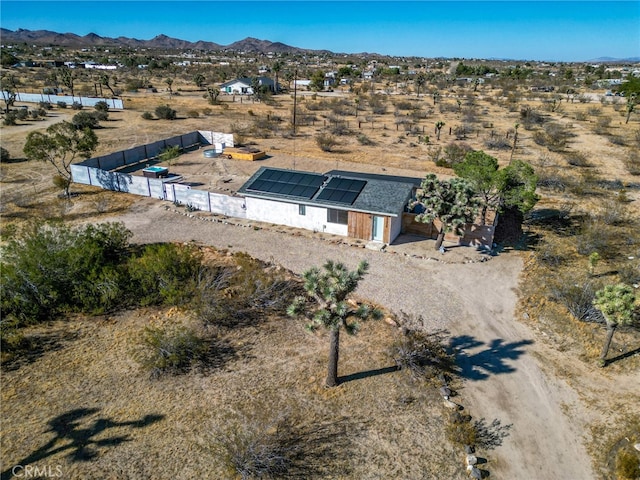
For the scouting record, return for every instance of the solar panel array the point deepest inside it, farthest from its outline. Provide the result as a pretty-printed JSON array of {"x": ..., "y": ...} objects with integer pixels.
[
  {"x": 342, "y": 190},
  {"x": 293, "y": 184}
]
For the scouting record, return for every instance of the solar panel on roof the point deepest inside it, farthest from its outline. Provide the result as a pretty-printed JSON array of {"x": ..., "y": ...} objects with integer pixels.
[
  {"x": 293, "y": 184},
  {"x": 342, "y": 190}
]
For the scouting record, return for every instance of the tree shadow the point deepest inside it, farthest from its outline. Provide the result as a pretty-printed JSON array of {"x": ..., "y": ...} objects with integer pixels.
[
  {"x": 622, "y": 356},
  {"x": 491, "y": 359},
  {"x": 35, "y": 346},
  {"x": 367, "y": 374},
  {"x": 80, "y": 442}
]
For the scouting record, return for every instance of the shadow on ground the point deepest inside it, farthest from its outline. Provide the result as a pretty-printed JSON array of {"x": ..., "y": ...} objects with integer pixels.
[
  {"x": 75, "y": 433},
  {"x": 478, "y": 360}
]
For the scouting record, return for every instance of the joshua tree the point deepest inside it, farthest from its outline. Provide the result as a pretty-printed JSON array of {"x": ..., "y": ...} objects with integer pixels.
[
  {"x": 616, "y": 302},
  {"x": 105, "y": 80},
  {"x": 436, "y": 96},
  {"x": 439, "y": 126},
  {"x": 515, "y": 141},
  {"x": 67, "y": 77},
  {"x": 631, "y": 105},
  {"x": 420, "y": 81},
  {"x": 199, "y": 80},
  {"x": 277, "y": 67},
  {"x": 333, "y": 310},
  {"x": 169, "y": 82},
  {"x": 451, "y": 201}
]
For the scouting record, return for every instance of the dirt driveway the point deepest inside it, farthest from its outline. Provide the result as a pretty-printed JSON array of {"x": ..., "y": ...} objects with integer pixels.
[{"x": 474, "y": 301}]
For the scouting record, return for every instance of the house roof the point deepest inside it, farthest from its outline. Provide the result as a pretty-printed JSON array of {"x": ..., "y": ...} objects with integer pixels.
[
  {"x": 247, "y": 81},
  {"x": 415, "y": 181},
  {"x": 370, "y": 195}
]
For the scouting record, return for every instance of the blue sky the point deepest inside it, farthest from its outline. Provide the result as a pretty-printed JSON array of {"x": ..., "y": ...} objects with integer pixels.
[{"x": 523, "y": 30}]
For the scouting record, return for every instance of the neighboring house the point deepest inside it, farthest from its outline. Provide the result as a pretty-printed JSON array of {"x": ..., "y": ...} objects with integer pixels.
[
  {"x": 367, "y": 207},
  {"x": 244, "y": 86}
]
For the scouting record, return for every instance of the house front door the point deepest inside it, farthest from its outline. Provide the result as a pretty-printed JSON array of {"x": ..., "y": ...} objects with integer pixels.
[{"x": 378, "y": 229}]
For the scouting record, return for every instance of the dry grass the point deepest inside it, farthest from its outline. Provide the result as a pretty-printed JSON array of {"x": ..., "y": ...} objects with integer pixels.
[
  {"x": 278, "y": 367},
  {"x": 126, "y": 425}
]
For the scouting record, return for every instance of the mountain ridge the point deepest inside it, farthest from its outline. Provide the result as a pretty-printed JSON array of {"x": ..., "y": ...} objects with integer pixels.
[{"x": 160, "y": 41}]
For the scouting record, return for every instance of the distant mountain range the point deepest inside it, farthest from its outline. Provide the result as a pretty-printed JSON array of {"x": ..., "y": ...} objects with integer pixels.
[
  {"x": 48, "y": 38},
  {"x": 252, "y": 45}
]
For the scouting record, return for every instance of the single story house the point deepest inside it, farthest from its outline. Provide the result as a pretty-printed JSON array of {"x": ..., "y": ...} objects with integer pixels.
[
  {"x": 244, "y": 86},
  {"x": 357, "y": 205}
]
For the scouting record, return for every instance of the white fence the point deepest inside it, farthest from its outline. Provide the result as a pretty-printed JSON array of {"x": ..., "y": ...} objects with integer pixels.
[
  {"x": 102, "y": 172},
  {"x": 114, "y": 103}
]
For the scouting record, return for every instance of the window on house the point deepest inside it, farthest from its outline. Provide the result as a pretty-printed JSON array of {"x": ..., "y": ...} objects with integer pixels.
[
  {"x": 337, "y": 216},
  {"x": 302, "y": 209}
]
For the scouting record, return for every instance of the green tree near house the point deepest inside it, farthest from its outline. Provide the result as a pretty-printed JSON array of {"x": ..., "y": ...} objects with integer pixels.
[
  {"x": 513, "y": 187},
  {"x": 617, "y": 303},
  {"x": 61, "y": 145},
  {"x": 481, "y": 171},
  {"x": 328, "y": 305},
  {"x": 453, "y": 202},
  {"x": 317, "y": 81}
]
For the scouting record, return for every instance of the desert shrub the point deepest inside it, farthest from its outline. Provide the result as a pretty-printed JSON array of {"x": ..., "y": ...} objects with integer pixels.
[
  {"x": 632, "y": 161},
  {"x": 23, "y": 114},
  {"x": 459, "y": 429},
  {"x": 618, "y": 140},
  {"x": 45, "y": 105},
  {"x": 580, "y": 116},
  {"x": 5, "y": 156},
  {"x": 51, "y": 269},
  {"x": 10, "y": 118},
  {"x": 577, "y": 296},
  {"x": 498, "y": 143},
  {"x": 452, "y": 154},
  {"x": 364, "y": 140},
  {"x": 594, "y": 111},
  {"x": 84, "y": 120},
  {"x": 164, "y": 274},
  {"x": 147, "y": 116},
  {"x": 404, "y": 105},
  {"x": 595, "y": 237},
  {"x": 169, "y": 153},
  {"x": 326, "y": 142},
  {"x": 423, "y": 355},
  {"x": 554, "y": 136},
  {"x": 170, "y": 350},
  {"x": 530, "y": 117},
  {"x": 193, "y": 114},
  {"x": 61, "y": 104},
  {"x": 133, "y": 84},
  {"x": 339, "y": 128},
  {"x": 256, "y": 449},
  {"x": 551, "y": 254},
  {"x": 101, "y": 106},
  {"x": 627, "y": 465},
  {"x": 76, "y": 106},
  {"x": 577, "y": 159},
  {"x": 165, "y": 112}
]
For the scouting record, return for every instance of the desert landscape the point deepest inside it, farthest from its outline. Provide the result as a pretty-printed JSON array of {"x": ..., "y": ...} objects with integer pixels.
[{"x": 525, "y": 344}]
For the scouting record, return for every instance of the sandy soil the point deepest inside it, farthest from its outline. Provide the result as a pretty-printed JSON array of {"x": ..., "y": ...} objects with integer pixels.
[{"x": 475, "y": 302}]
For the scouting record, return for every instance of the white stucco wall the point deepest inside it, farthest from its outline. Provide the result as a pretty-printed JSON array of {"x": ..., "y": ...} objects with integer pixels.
[{"x": 283, "y": 213}]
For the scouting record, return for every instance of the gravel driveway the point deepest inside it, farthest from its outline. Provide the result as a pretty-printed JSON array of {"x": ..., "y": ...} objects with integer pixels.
[{"x": 473, "y": 300}]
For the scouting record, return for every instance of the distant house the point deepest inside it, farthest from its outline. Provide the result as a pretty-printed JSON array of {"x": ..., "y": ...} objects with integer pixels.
[
  {"x": 364, "y": 206},
  {"x": 244, "y": 86}
]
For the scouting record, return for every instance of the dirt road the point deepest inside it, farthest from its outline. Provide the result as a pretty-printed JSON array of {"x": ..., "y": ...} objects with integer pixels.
[{"x": 474, "y": 301}]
